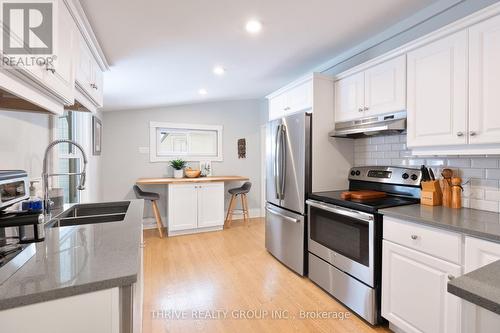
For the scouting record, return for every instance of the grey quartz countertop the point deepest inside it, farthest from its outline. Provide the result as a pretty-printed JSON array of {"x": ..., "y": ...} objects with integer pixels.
[
  {"x": 481, "y": 287},
  {"x": 471, "y": 222},
  {"x": 78, "y": 259}
]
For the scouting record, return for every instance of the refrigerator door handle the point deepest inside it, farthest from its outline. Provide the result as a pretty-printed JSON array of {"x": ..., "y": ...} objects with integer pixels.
[
  {"x": 275, "y": 162},
  {"x": 287, "y": 218},
  {"x": 283, "y": 161}
]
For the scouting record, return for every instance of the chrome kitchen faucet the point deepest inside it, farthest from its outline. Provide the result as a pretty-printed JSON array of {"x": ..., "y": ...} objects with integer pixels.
[{"x": 45, "y": 175}]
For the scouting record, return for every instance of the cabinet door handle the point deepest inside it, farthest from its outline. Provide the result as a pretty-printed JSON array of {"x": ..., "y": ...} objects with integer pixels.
[
  {"x": 360, "y": 110},
  {"x": 414, "y": 237},
  {"x": 472, "y": 133},
  {"x": 451, "y": 277},
  {"x": 50, "y": 68},
  {"x": 366, "y": 108},
  {"x": 460, "y": 133}
]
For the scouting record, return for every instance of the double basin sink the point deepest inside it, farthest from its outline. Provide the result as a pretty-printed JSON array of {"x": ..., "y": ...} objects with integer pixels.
[{"x": 91, "y": 213}]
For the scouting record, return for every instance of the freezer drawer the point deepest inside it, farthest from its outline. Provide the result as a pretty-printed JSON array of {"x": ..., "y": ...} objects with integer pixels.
[{"x": 285, "y": 237}]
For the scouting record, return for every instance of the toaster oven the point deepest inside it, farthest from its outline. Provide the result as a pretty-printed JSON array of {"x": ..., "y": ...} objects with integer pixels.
[{"x": 14, "y": 187}]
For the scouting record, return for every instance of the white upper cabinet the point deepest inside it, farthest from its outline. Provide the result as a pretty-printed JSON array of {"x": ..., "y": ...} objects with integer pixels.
[
  {"x": 50, "y": 84},
  {"x": 385, "y": 87},
  {"x": 292, "y": 99},
  {"x": 60, "y": 75},
  {"x": 89, "y": 74},
  {"x": 349, "y": 97},
  {"x": 298, "y": 98},
  {"x": 276, "y": 107},
  {"x": 484, "y": 85},
  {"x": 437, "y": 93},
  {"x": 377, "y": 90}
]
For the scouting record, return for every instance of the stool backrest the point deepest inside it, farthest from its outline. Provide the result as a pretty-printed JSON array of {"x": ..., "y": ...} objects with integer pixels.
[
  {"x": 138, "y": 192},
  {"x": 246, "y": 187}
]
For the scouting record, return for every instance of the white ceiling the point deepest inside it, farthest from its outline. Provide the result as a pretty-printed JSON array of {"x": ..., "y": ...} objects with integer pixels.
[{"x": 163, "y": 51}]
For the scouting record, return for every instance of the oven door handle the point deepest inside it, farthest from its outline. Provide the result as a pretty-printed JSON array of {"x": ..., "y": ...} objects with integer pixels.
[
  {"x": 283, "y": 216},
  {"x": 341, "y": 211}
]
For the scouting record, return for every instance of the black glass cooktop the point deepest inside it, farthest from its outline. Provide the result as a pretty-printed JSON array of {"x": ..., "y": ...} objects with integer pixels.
[{"x": 373, "y": 205}]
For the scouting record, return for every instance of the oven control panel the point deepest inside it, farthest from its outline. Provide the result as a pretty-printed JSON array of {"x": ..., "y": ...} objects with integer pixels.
[{"x": 387, "y": 174}]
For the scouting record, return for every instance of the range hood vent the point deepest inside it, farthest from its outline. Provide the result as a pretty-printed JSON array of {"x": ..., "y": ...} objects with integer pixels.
[{"x": 394, "y": 123}]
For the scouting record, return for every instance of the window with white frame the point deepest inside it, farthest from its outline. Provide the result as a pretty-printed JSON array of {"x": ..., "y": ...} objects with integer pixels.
[{"x": 189, "y": 142}]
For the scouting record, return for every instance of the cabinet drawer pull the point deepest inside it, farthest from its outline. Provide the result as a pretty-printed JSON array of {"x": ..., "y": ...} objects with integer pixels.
[
  {"x": 451, "y": 277},
  {"x": 414, "y": 237}
]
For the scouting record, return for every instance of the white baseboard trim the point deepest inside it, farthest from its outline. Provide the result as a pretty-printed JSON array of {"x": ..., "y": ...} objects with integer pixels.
[{"x": 150, "y": 222}]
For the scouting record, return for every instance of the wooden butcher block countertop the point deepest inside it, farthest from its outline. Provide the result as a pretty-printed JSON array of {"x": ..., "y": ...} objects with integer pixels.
[{"x": 164, "y": 181}]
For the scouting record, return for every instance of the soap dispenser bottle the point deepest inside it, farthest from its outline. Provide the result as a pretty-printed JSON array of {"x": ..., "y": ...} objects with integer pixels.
[{"x": 34, "y": 204}]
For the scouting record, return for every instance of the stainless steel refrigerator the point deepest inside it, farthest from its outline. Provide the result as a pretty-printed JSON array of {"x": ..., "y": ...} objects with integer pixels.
[{"x": 288, "y": 159}]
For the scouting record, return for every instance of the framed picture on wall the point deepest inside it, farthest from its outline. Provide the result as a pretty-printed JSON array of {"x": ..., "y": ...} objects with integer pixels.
[{"x": 96, "y": 136}]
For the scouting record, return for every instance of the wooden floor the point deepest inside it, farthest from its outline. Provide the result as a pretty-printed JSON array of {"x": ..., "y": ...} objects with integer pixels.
[{"x": 191, "y": 280}]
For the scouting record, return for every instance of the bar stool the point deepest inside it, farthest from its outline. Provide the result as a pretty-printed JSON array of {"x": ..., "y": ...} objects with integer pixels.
[
  {"x": 153, "y": 197},
  {"x": 242, "y": 192}
]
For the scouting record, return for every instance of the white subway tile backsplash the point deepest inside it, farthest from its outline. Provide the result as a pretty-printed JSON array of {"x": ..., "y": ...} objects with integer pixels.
[
  {"x": 492, "y": 173},
  {"x": 491, "y": 206},
  {"x": 383, "y": 161},
  {"x": 416, "y": 162},
  {"x": 391, "y": 154},
  {"x": 487, "y": 184},
  {"x": 405, "y": 153},
  {"x": 398, "y": 146},
  {"x": 492, "y": 195},
  {"x": 471, "y": 173},
  {"x": 399, "y": 162},
  {"x": 484, "y": 163},
  {"x": 482, "y": 173},
  {"x": 384, "y": 147},
  {"x": 378, "y": 154},
  {"x": 435, "y": 162},
  {"x": 377, "y": 140},
  {"x": 459, "y": 163},
  {"x": 392, "y": 139}
]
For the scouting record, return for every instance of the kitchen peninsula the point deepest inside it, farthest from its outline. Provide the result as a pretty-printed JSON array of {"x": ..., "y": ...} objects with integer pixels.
[{"x": 194, "y": 204}]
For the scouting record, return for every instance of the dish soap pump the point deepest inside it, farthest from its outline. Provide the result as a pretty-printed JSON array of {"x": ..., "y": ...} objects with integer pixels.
[{"x": 34, "y": 204}]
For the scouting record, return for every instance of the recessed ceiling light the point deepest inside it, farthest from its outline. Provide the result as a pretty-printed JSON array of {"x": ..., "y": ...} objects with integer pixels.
[
  {"x": 202, "y": 91},
  {"x": 219, "y": 70},
  {"x": 253, "y": 26}
]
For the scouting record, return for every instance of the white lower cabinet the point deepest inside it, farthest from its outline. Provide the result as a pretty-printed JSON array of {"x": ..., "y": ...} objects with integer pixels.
[
  {"x": 414, "y": 291},
  {"x": 195, "y": 207},
  {"x": 479, "y": 253},
  {"x": 93, "y": 312},
  {"x": 138, "y": 292}
]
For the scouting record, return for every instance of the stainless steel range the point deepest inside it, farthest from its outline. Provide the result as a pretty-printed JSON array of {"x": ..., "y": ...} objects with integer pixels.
[{"x": 345, "y": 236}]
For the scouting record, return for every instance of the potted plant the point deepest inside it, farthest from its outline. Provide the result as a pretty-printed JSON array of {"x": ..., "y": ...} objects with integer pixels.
[{"x": 178, "y": 166}]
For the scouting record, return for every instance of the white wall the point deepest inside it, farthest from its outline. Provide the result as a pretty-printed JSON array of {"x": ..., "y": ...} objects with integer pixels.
[
  {"x": 126, "y": 131},
  {"x": 23, "y": 138}
]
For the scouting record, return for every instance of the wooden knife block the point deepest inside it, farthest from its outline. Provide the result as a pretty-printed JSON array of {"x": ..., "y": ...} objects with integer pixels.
[{"x": 431, "y": 194}]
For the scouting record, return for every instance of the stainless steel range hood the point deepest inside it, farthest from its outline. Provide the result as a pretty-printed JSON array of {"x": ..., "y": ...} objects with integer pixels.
[{"x": 393, "y": 123}]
